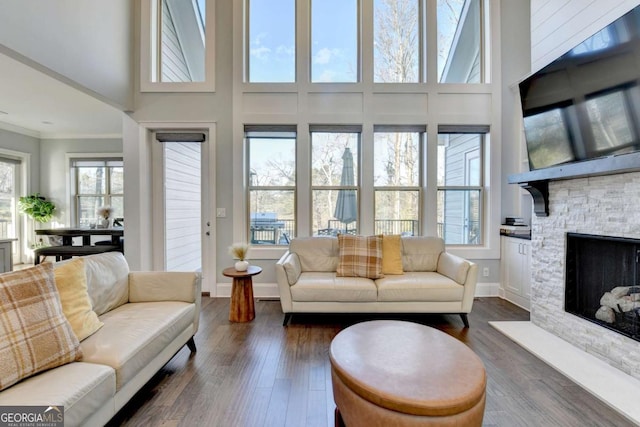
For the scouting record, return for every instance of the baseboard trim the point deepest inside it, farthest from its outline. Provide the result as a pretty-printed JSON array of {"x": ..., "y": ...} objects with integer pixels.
[
  {"x": 487, "y": 289},
  {"x": 270, "y": 290}
]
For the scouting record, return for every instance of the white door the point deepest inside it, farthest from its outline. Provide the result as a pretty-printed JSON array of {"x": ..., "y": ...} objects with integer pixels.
[{"x": 181, "y": 200}]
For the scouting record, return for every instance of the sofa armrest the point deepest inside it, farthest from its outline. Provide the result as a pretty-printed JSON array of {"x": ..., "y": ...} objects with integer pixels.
[
  {"x": 454, "y": 267},
  {"x": 149, "y": 286},
  {"x": 463, "y": 272},
  {"x": 284, "y": 282}
]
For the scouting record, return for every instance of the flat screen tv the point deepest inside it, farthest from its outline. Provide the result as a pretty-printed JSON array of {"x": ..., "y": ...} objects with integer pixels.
[{"x": 586, "y": 104}]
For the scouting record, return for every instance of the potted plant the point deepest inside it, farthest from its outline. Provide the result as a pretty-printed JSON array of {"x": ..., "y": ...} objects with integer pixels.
[
  {"x": 37, "y": 207},
  {"x": 240, "y": 251}
]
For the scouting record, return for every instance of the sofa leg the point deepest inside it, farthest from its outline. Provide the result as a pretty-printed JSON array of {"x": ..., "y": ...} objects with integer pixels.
[
  {"x": 287, "y": 317},
  {"x": 192, "y": 345},
  {"x": 465, "y": 319}
]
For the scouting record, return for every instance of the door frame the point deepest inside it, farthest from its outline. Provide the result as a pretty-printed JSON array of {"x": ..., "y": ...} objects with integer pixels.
[
  {"x": 208, "y": 198},
  {"x": 24, "y": 228}
]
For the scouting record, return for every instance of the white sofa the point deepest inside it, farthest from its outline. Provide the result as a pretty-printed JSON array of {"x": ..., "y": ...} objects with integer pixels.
[
  {"x": 147, "y": 316},
  {"x": 434, "y": 281}
]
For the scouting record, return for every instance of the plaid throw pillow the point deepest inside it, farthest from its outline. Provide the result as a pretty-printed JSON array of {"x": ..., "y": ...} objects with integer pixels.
[
  {"x": 34, "y": 334},
  {"x": 360, "y": 256}
]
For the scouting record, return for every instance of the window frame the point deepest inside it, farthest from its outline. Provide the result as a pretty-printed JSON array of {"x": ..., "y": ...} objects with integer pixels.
[
  {"x": 358, "y": 47},
  {"x": 270, "y": 133},
  {"x": 483, "y": 132},
  {"x": 421, "y": 130},
  {"x": 150, "y": 51},
  {"x": 483, "y": 48},
  {"x": 354, "y": 129},
  {"x": 422, "y": 45},
  {"x": 246, "y": 35},
  {"x": 74, "y": 186}
]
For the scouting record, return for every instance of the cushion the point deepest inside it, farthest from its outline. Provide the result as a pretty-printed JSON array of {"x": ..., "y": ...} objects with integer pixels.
[
  {"x": 360, "y": 256},
  {"x": 71, "y": 282},
  {"x": 453, "y": 267},
  {"x": 292, "y": 268},
  {"x": 107, "y": 280},
  {"x": 316, "y": 253},
  {"x": 421, "y": 253},
  {"x": 391, "y": 254},
  {"x": 318, "y": 287},
  {"x": 34, "y": 334}
]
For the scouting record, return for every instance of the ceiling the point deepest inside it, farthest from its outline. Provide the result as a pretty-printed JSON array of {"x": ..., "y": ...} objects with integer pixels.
[{"x": 41, "y": 106}]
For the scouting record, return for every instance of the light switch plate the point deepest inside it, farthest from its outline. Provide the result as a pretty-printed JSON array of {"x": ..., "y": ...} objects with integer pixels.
[{"x": 221, "y": 212}]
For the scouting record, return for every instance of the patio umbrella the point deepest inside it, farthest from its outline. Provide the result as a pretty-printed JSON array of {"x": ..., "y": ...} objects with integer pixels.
[{"x": 346, "y": 205}]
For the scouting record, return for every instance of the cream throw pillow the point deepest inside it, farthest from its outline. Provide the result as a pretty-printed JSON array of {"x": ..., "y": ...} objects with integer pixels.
[
  {"x": 34, "y": 334},
  {"x": 391, "y": 254},
  {"x": 360, "y": 256},
  {"x": 71, "y": 282}
]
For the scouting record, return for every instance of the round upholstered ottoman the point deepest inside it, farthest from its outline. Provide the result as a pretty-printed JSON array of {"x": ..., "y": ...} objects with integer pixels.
[{"x": 392, "y": 373}]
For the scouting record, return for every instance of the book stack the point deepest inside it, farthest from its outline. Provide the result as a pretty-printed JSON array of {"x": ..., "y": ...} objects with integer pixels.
[{"x": 514, "y": 220}]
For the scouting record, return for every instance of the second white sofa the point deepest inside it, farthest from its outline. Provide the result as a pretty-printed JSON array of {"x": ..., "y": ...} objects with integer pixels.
[
  {"x": 147, "y": 316},
  {"x": 434, "y": 281}
]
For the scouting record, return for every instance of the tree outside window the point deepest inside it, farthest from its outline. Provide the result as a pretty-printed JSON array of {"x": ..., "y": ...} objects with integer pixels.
[
  {"x": 397, "y": 183},
  {"x": 397, "y": 41}
]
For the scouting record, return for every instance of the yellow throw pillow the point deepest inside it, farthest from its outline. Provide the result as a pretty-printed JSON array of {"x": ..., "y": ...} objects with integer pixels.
[
  {"x": 71, "y": 282},
  {"x": 391, "y": 254},
  {"x": 360, "y": 256},
  {"x": 34, "y": 334}
]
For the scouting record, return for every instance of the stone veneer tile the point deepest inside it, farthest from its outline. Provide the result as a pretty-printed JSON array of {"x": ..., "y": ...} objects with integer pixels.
[{"x": 605, "y": 205}]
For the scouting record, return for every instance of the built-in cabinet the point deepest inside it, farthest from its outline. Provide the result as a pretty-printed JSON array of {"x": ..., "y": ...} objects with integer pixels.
[{"x": 516, "y": 270}]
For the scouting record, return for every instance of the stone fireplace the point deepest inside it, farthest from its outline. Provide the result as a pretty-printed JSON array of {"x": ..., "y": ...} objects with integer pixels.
[{"x": 602, "y": 206}]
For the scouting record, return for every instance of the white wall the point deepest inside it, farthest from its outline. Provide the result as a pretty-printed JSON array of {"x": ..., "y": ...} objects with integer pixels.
[
  {"x": 88, "y": 43},
  {"x": 558, "y": 26},
  {"x": 515, "y": 64},
  {"x": 24, "y": 144},
  {"x": 54, "y": 168}
]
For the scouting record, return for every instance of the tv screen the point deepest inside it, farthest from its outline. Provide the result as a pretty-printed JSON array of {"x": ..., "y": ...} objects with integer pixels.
[{"x": 586, "y": 104}]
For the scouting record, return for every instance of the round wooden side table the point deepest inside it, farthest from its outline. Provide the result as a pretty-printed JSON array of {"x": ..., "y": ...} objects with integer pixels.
[{"x": 242, "y": 308}]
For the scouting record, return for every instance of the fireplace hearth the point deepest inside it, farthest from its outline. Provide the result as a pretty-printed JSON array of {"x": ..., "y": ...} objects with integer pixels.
[{"x": 602, "y": 281}]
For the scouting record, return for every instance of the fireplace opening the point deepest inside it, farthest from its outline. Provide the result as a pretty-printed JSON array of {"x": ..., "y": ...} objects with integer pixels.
[{"x": 601, "y": 284}]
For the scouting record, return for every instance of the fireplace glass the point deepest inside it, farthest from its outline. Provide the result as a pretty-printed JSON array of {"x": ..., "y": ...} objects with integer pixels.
[{"x": 602, "y": 281}]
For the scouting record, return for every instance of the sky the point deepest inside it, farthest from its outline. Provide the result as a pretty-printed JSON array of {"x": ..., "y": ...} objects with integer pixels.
[{"x": 334, "y": 47}]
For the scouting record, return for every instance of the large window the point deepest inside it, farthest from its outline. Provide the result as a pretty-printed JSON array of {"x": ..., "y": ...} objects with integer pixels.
[
  {"x": 397, "y": 183},
  {"x": 271, "y": 47},
  {"x": 271, "y": 181},
  {"x": 335, "y": 169},
  {"x": 97, "y": 182},
  {"x": 177, "y": 47},
  {"x": 460, "y": 185},
  {"x": 397, "y": 33},
  {"x": 338, "y": 30},
  {"x": 334, "y": 41},
  {"x": 460, "y": 58}
]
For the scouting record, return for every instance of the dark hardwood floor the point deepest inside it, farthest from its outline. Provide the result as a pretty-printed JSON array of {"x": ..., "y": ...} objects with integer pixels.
[{"x": 263, "y": 374}]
